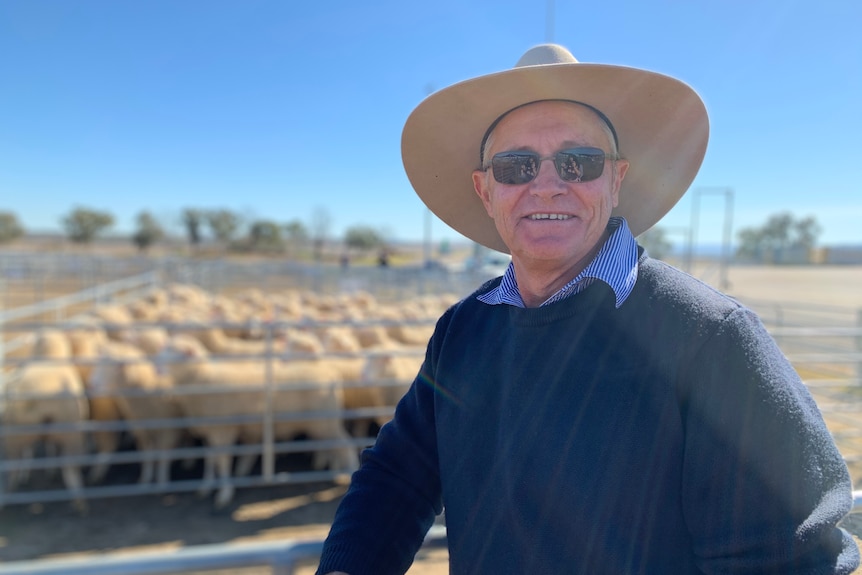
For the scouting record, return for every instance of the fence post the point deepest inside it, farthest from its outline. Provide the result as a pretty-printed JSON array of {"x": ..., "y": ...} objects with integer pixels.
[
  {"x": 2, "y": 383},
  {"x": 859, "y": 346},
  {"x": 779, "y": 321},
  {"x": 268, "y": 452}
]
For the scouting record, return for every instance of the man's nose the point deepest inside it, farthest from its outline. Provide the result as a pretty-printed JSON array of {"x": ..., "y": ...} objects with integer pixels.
[{"x": 547, "y": 181}]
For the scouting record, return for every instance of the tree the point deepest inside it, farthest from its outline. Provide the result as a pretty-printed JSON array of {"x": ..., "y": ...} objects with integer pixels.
[
  {"x": 781, "y": 234},
  {"x": 149, "y": 231},
  {"x": 363, "y": 238},
  {"x": 807, "y": 230},
  {"x": 83, "y": 225},
  {"x": 223, "y": 224},
  {"x": 656, "y": 243},
  {"x": 296, "y": 234},
  {"x": 320, "y": 222},
  {"x": 265, "y": 235},
  {"x": 10, "y": 227},
  {"x": 192, "y": 220},
  {"x": 296, "y": 231}
]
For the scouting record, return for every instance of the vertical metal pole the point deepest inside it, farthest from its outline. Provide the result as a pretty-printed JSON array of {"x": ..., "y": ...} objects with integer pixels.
[
  {"x": 58, "y": 308},
  {"x": 859, "y": 346},
  {"x": 692, "y": 231},
  {"x": 2, "y": 381},
  {"x": 40, "y": 281},
  {"x": 726, "y": 244},
  {"x": 268, "y": 453}
]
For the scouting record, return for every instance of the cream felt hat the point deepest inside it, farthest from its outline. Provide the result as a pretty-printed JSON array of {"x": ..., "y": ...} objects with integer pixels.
[{"x": 660, "y": 122}]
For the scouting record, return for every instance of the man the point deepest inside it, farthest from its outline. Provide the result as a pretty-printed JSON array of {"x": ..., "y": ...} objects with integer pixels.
[{"x": 593, "y": 410}]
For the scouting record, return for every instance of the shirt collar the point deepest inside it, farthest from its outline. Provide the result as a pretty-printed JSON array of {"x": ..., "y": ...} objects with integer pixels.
[{"x": 616, "y": 264}]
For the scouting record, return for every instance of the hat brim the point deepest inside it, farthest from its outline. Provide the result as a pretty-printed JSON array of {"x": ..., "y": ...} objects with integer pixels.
[{"x": 661, "y": 123}]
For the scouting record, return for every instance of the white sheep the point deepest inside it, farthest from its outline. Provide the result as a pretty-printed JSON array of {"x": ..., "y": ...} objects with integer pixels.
[
  {"x": 339, "y": 347},
  {"x": 191, "y": 368},
  {"x": 182, "y": 316},
  {"x": 85, "y": 337},
  {"x": 350, "y": 362},
  {"x": 46, "y": 391},
  {"x": 87, "y": 341},
  {"x": 411, "y": 334},
  {"x": 114, "y": 317},
  {"x": 144, "y": 310},
  {"x": 374, "y": 377},
  {"x": 217, "y": 342},
  {"x": 374, "y": 336},
  {"x": 394, "y": 373},
  {"x": 243, "y": 318},
  {"x": 340, "y": 339},
  {"x": 298, "y": 343},
  {"x": 187, "y": 296},
  {"x": 148, "y": 339},
  {"x": 157, "y": 297},
  {"x": 125, "y": 375}
]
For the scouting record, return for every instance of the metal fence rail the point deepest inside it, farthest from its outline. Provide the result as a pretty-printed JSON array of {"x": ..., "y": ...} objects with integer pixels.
[
  {"x": 62, "y": 307},
  {"x": 283, "y": 557},
  {"x": 389, "y": 283}
]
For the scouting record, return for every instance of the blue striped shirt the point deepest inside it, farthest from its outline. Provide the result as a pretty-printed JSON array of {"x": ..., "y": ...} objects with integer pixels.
[{"x": 616, "y": 264}]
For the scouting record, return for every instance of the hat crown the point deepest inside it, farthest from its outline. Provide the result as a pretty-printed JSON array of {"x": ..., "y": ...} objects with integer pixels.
[{"x": 546, "y": 54}]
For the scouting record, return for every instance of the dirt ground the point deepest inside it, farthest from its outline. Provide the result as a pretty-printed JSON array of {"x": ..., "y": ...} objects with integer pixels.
[
  {"x": 149, "y": 524},
  {"x": 165, "y": 521}
]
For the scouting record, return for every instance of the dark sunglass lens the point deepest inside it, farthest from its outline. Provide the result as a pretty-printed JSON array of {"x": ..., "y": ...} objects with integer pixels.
[
  {"x": 515, "y": 168},
  {"x": 580, "y": 164}
]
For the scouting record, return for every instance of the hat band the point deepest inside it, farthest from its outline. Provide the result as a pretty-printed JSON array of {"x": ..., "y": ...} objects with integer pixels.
[{"x": 493, "y": 125}]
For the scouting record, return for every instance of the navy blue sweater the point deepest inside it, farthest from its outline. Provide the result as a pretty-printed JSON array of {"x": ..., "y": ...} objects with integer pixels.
[{"x": 667, "y": 436}]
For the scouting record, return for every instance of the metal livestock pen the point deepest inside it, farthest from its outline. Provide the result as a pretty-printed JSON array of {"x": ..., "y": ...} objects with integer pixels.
[
  {"x": 60, "y": 312},
  {"x": 823, "y": 342}
]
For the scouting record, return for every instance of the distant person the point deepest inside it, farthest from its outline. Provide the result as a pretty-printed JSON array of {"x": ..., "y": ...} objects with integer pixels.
[
  {"x": 593, "y": 410},
  {"x": 383, "y": 258}
]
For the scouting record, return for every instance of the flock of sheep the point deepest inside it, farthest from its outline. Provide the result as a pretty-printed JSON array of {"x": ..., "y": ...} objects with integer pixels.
[{"x": 181, "y": 364}]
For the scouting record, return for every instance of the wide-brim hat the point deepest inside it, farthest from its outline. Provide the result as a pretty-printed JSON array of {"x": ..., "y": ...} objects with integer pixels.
[{"x": 661, "y": 125}]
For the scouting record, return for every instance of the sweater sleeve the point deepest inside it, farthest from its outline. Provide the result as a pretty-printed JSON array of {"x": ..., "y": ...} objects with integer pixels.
[
  {"x": 395, "y": 495},
  {"x": 764, "y": 485}
]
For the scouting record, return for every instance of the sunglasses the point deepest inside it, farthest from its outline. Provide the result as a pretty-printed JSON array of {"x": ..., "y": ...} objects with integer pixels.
[{"x": 573, "y": 165}]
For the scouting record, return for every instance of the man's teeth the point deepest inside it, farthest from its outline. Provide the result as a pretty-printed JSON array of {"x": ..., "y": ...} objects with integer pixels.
[{"x": 549, "y": 217}]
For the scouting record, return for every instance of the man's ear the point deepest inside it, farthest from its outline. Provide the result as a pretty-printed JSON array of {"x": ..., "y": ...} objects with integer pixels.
[
  {"x": 483, "y": 190},
  {"x": 620, "y": 167}
]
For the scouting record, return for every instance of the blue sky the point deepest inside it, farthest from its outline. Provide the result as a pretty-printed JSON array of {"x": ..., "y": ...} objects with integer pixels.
[{"x": 283, "y": 109}]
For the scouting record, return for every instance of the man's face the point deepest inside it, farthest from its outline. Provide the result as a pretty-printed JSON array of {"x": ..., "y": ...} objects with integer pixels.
[{"x": 580, "y": 210}]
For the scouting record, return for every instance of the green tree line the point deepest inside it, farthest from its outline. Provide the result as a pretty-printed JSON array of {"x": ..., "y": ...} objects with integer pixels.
[
  {"x": 223, "y": 227},
  {"x": 774, "y": 241}
]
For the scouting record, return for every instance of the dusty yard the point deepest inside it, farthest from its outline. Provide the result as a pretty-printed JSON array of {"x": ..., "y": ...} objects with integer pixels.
[
  {"x": 168, "y": 521},
  {"x": 819, "y": 285},
  {"x": 156, "y": 523}
]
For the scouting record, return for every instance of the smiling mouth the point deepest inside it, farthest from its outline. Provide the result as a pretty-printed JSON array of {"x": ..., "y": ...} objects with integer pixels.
[{"x": 536, "y": 217}]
